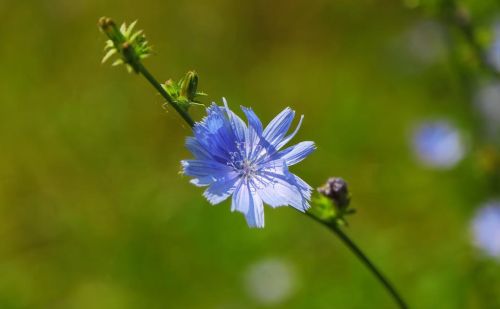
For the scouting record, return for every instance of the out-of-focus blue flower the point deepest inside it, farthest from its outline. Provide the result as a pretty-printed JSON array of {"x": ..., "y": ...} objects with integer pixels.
[
  {"x": 486, "y": 228},
  {"x": 438, "y": 144},
  {"x": 247, "y": 162},
  {"x": 494, "y": 49}
]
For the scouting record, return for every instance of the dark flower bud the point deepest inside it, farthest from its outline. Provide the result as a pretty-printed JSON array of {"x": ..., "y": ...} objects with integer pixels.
[{"x": 336, "y": 190}]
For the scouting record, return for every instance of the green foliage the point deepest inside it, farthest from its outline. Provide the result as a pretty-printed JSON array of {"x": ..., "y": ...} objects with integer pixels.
[
  {"x": 326, "y": 210},
  {"x": 185, "y": 91},
  {"x": 131, "y": 46},
  {"x": 93, "y": 213}
]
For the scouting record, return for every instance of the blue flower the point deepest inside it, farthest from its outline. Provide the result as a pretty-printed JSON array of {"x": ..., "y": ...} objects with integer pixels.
[
  {"x": 247, "y": 162},
  {"x": 486, "y": 228},
  {"x": 438, "y": 144}
]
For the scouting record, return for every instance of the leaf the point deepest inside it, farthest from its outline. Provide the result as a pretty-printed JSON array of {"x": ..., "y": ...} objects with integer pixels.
[
  {"x": 109, "y": 44},
  {"x": 135, "y": 35},
  {"x": 108, "y": 55},
  {"x": 128, "y": 32},
  {"x": 123, "y": 28},
  {"x": 117, "y": 62}
]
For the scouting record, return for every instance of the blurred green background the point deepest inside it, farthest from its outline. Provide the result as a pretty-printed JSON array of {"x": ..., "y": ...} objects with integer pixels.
[{"x": 94, "y": 212}]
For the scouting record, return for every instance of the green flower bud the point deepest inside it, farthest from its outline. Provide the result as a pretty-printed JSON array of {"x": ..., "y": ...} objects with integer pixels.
[
  {"x": 129, "y": 45},
  {"x": 109, "y": 27},
  {"x": 171, "y": 89},
  {"x": 189, "y": 85}
]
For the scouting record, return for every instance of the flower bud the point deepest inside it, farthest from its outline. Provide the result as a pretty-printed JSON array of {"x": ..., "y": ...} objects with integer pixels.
[
  {"x": 336, "y": 190},
  {"x": 171, "y": 89},
  {"x": 189, "y": 85},
  {"x": 106, "y": 23},
  {"x": 108, "y": 26},
  {"x": 129, "y": 45}
]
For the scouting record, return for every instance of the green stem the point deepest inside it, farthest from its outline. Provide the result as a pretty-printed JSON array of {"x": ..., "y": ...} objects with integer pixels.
[
  {"x": 142, "y": 69},
  {"x": 363, "y": 258},
  {"x": 458, "y": 17}
]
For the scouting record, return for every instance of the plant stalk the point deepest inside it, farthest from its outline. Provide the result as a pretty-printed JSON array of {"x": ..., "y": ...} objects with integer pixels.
[
  {"x": 364, "y": 259},
  {"x": 142, "y": 69}
]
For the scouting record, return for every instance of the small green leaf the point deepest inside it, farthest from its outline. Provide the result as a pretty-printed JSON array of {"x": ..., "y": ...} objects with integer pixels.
[
  {"x": 109, "y": 44},
  {"x": 117, "y": 62},
  {"x": 128, "y": 32},
  {"x": 108, "y": 55}
]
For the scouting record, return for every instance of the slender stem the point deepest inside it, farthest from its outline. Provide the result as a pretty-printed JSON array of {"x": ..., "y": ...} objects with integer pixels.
[
  {"x": 458, "y": 17},
  {"x": 142, "y": 69},
  {"x": 364, "y": 259}
]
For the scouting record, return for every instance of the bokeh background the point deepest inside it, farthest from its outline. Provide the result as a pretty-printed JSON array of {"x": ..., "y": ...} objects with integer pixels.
[{"x": 94, "y": 212}]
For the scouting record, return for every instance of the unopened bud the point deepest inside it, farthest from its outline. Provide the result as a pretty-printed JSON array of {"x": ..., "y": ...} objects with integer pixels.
[
  {"x": 189, "y": 85},
  {"x": 105, "y": 22},
  {"x": 171, "y": 88},
  {"x": 108, "y": 26},
  {"x": 336, "y": 190}
]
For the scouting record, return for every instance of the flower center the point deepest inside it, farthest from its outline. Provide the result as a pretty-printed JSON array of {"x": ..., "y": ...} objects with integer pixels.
[
  {"x": 248, "y": 169},
  {"x": 241, "y": 163}
]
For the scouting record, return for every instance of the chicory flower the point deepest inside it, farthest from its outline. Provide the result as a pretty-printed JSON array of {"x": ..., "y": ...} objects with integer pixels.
[{"x": 247, "y": 162}]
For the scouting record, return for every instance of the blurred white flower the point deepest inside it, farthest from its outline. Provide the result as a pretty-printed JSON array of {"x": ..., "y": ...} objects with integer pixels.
[
  {"x": 486, "y": 228},
  {"x": 494, "y": 49},
  {"x": 438, "y": 144},
  {"x": 270, "y": 281},
  {"x": 487, "y": 101},
  {"x": 426, "y": 41}
]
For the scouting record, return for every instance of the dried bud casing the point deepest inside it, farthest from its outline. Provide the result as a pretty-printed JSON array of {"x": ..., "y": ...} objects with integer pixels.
[{"x": 336, "y": 190}]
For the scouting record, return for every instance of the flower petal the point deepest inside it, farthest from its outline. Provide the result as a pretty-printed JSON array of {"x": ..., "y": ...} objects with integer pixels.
[
  {"x": 239, "y": 127},
  {"x": 304, "y": 188},
  {"x": 221, "y": 189},
  {"x": 204, "y": 171},
  {"x": 285, "y": 189},
  {"x": 253, "y": 136},
  {"x": 289, "y": 137},
  {"x": 198, "y": 151},
  {"x": 296, "y": 153},
  {"x": 278, "y": 127},
  {"x": 246, "y": 201},
  {"x": 202, "y": 181},
  {"x": 253, "y": 120},
  {"x": 215, "y": 134}
]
